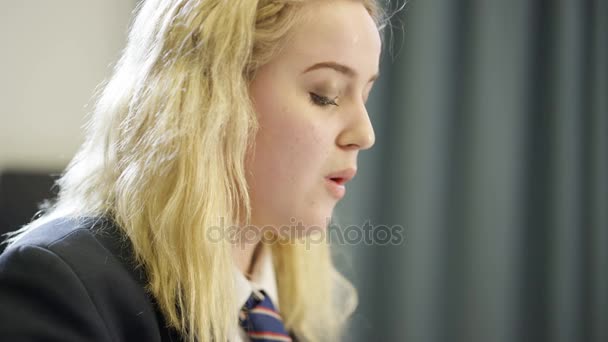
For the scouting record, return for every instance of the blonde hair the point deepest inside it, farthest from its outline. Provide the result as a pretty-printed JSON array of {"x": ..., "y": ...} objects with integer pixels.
[{"x": 164, "y": 158}]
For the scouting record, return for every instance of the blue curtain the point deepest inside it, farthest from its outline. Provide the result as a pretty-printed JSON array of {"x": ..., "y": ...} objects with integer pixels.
[{"x": 491, "y": 120}]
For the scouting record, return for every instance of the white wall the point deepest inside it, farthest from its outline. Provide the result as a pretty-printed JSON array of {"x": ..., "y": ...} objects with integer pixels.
[{"x": 53, "y": 54}]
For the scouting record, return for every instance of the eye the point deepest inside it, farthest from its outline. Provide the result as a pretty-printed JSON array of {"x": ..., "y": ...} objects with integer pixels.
[{"x": 322, "y": 101}]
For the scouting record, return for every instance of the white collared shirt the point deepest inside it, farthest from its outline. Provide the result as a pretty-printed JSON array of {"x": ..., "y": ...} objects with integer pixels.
[{"x": 262, "y": 278}]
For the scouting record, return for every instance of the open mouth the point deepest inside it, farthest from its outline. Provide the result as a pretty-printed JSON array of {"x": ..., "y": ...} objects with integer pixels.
[
  {"x": 338, "y": 180},
  {"x": 336, "y": 186}
]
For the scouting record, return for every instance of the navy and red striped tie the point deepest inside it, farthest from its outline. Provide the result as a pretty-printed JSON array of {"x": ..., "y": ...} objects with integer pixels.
[{"x": 261, "y": 320}]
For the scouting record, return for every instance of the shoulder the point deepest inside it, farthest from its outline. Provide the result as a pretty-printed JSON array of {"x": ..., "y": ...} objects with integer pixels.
[
  {"x": 90, "y": 246},
  {"x": 93, "y": 249},
  {"x": 74, "y": 280}
]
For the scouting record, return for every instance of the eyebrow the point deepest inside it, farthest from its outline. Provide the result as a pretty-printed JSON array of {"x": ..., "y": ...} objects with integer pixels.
[{"x": 341, "y": 68}]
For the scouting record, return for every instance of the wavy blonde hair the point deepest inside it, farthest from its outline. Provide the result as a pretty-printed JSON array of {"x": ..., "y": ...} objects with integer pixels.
[{"x": 164, "y": 158}]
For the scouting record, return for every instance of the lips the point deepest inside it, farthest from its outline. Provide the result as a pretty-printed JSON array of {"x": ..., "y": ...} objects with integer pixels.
[
  {"x": 336, "y": 180},
  {"x": 343, "y": 176}
]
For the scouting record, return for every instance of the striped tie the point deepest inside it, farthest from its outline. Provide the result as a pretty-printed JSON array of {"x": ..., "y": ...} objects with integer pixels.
[{"x": 261, "y": 321}]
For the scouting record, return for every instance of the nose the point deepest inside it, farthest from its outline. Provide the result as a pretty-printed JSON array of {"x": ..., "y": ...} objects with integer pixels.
[{"x": 358, "y": 133}]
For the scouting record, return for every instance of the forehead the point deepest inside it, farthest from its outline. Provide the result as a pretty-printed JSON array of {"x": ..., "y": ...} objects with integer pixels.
[{"x": 339, "y": 31}]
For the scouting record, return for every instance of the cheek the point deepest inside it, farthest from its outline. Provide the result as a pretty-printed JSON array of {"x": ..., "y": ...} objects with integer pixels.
[
  {"x": 286, "y": 178},
  {"x": 292, "y": 151},
  {"x": 290, "y": 148}
]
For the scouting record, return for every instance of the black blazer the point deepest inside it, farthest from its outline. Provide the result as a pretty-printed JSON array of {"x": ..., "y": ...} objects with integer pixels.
[{"x": 76, "y": 281}]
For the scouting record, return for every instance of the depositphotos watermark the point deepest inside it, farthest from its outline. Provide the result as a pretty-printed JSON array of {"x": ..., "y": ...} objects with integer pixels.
[{"x": 332, "y": 233}]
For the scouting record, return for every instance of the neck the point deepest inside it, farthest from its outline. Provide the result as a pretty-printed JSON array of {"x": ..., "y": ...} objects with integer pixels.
[{"x": 244, "y": 255}]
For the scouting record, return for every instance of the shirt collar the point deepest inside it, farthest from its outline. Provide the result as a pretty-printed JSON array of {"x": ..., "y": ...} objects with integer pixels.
[{"x": 262, "y": 278}]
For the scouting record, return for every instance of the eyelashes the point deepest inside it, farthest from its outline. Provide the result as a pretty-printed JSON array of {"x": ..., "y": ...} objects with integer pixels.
[{"x": 323, "y": 101}]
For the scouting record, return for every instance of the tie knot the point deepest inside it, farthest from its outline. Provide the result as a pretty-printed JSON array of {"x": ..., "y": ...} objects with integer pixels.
[{"x": 260, "y": 319}]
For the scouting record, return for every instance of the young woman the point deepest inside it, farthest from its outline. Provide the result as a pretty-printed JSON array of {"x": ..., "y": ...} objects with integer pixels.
[{"x": 221, "y": 116}]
